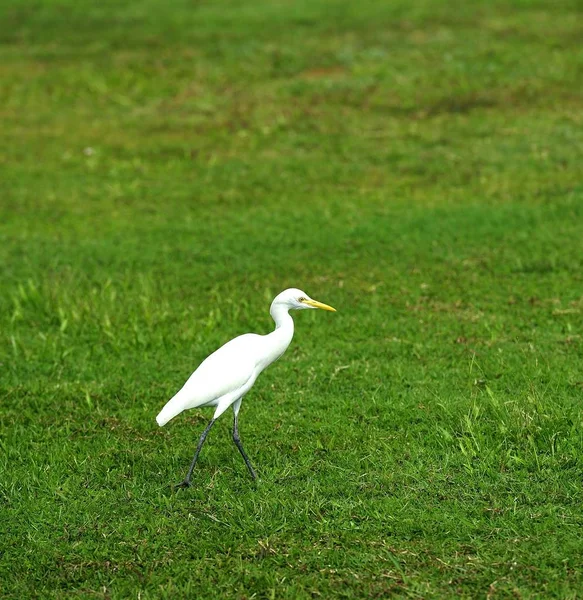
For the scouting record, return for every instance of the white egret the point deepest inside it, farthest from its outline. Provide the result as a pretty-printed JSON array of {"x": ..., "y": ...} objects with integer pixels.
[{"x": 224, "y": 377}]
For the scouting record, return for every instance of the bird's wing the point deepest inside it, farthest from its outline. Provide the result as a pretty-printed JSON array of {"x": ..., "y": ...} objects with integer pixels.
[
  {"x": 224, "y": 372},
  {"x": 227, "y": 373}
]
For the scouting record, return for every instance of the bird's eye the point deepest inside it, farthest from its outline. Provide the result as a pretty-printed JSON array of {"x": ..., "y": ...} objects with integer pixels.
[{"x": 302, "y": 299}]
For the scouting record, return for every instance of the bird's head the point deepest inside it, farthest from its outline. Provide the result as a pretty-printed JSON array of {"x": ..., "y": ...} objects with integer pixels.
[{"x": 293, "y": 298}]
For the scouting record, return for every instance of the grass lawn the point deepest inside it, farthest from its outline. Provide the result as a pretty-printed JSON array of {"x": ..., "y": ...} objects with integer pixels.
[{"x": 165, "y": 170}]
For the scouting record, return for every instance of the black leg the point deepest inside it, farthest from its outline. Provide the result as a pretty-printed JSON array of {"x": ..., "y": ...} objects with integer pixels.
[
  {"x": 186, "y": 482},
  {"x": 239, "y": 445}
]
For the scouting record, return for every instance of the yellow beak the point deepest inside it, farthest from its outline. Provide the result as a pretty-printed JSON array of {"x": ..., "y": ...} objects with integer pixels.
[{"x": 316, "y": 304}]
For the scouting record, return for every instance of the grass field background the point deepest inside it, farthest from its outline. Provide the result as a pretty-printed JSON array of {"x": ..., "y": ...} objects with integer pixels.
[{"x": 166, "y": 169}]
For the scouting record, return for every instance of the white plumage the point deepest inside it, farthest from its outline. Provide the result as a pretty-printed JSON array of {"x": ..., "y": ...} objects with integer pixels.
[
  {"x": 224, "y": 377},
  {"x": 209, "y": 385}
]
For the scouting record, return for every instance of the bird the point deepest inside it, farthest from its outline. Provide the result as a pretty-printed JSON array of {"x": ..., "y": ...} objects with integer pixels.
[{"x": 224, "y": 377}]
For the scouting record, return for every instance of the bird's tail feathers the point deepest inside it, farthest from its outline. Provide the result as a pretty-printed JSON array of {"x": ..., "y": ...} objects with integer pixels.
[{"x": 173, "y": 407}]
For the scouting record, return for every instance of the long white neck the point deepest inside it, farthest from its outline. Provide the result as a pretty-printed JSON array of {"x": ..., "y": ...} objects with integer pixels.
[
  {"x": 280, "y": 314},
  {"x": 280, "y": 338}
]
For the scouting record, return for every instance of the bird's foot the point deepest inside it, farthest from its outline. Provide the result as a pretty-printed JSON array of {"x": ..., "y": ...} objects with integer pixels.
[{"x": 183, "y": 485}]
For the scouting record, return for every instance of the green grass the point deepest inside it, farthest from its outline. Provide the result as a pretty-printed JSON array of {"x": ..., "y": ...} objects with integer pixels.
[{"x": 165, "y": 170}]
